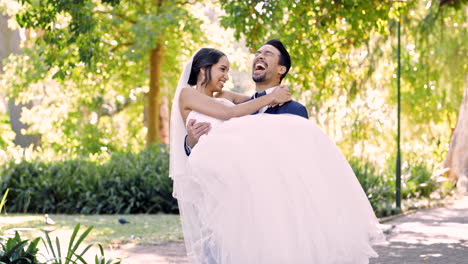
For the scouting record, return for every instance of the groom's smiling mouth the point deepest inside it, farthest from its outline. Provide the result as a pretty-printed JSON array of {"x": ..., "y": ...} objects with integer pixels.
[{"x": 260, "y": 66}]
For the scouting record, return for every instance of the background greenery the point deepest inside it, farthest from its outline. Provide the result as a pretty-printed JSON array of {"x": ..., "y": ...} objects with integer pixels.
[
  {"x": 125, "y": 183},
  {"x": 86, "y": 65}
]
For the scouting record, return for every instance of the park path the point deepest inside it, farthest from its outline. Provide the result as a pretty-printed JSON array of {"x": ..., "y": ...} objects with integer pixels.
[
  {"x": 437, "y": 235},
  {"x": 172, "y": 252},
  {"x": 430, "y": 236}
]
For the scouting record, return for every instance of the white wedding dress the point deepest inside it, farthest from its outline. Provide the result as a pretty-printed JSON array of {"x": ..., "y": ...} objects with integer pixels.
[{"x": 266, "y": 189}]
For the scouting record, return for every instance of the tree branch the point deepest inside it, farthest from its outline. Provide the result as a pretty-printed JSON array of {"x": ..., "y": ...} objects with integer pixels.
[
  {"x": 187, "y": 2},
  {"x": 121, "y": 16},
  {"x": 125, "y": 33},
  {"x": 446, "y": 2},
  {"x": 122, "y": 45}
]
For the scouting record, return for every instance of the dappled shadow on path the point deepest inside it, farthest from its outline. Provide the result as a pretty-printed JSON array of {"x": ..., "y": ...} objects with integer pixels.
[
  {"x": 437, "y": 216},
  {"x": 402, "y": 253},
  {"x": 428, "y": 236}
]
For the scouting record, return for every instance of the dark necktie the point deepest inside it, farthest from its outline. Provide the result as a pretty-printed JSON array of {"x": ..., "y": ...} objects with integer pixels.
[{"x": 257, "y": 95}]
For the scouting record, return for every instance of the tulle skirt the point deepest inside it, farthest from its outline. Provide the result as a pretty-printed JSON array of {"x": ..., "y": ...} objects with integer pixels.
[{"x": 267, "y": 189}]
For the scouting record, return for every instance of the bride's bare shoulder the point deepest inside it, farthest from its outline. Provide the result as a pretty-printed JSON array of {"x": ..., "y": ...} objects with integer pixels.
[
  {"x": 187, "y": 93},
  {"x": 187, "y": 90}
]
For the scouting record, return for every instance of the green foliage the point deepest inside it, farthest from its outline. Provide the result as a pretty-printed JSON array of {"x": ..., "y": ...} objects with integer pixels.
[
  {"x": 98, "y": 51},
  {"x": 447, "y": 187},
  {"x": 112, "y": 39},
  {"x": 379, "y": 188},
  {"x": 458, "y": 4},
  {"x": 344, "y": 68},
  {"x": 13, "y": 251},
  {"x": 7, "y": 135},
  {"x": 101, "y": 259},
  {"x": 72, "y": 256},
  {"x": 3, "y": 201},
  {"x": 88, "y": 65},
  {"x": 319, "y": 35},
  {"x": 418, "y": 183},
  {"x": 434, "y": 63},
  {"x": 127, "y": 183}
]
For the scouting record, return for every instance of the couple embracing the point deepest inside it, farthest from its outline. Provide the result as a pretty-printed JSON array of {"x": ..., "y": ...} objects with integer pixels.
[{"x": 256, "y": 181}]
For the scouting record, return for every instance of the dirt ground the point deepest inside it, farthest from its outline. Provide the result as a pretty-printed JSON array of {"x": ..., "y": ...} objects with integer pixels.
[{"x": 173, "y": 252}]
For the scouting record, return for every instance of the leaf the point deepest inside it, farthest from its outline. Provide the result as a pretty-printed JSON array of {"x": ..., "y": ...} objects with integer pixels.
[
  {"x": 3, "y": 201},
  {"x": 49, "y": 246}
]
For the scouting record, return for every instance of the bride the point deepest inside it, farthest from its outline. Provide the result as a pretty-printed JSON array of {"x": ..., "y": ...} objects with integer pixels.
[{"x": 261, "y": 188}]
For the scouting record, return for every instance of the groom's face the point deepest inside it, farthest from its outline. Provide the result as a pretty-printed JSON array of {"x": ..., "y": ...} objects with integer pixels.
[{"x": 265, "y": 64}]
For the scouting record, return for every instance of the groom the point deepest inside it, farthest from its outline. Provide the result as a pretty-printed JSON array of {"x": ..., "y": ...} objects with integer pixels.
[{"x": 270, "y": 65}]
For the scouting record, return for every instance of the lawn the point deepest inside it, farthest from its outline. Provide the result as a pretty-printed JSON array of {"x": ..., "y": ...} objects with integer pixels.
[{"x": 143, "y": 229}]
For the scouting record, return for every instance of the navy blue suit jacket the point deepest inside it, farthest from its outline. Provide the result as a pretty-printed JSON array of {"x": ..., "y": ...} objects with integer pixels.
[{"x": 291, "y": 107}]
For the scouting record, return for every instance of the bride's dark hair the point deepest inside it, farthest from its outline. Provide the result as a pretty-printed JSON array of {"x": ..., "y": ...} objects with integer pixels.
[{"x": 205, "y": 58}]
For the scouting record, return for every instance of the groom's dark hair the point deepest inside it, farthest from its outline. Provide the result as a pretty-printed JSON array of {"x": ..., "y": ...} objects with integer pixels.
[
  {"x": 205, "y": 58},
  {"x": 284, "y": 59}
]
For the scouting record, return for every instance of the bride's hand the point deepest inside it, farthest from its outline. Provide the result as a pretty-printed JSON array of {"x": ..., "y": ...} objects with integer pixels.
[{"x": 281, "y": 95}]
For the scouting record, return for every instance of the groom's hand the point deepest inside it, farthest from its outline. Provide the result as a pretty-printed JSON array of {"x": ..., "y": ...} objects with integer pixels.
[{"x": 195, "y": 131}]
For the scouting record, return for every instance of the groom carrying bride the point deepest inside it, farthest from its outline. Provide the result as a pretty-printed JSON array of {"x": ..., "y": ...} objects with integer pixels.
[
  {"x": 248, "y": 192},
  {"x": 270, "y": 65}
]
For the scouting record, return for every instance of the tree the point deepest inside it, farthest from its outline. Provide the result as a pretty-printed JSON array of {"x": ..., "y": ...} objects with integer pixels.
[
  {"x": 457, "y": 156},
  {"x": 335, "y": 48},
  {"x": 10, "y": 43},
  {"x": 125, "y": 40},
  {"x": 319, "y": 35},
  {"x": 344, "y": 61}
]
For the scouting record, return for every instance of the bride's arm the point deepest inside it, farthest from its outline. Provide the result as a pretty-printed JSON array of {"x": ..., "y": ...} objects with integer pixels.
[
  {"x": 236, "y": 98},
  {"x": 190, "y": 99}
]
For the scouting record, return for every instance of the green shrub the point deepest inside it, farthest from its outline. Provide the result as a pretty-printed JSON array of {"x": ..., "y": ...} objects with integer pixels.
[
  {"x": 418, "y": 182},
  {"x": 416, "y": 175},
  {"x": 12, "y": 252},
  {"x": 378, "y": 188},
  {"x": 126, "y": 183}
]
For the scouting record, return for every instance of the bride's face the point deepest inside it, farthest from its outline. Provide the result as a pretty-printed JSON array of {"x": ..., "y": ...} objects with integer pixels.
[{"x": 219, "y": 75}]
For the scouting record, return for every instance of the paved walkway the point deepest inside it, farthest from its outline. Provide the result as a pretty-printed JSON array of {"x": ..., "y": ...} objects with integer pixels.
[
  {"x": 173, "y": 252},
  {"x": 428, "y": 236}
]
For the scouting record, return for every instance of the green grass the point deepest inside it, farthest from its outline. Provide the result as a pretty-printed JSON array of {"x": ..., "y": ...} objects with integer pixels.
[{"x": 143, "y": 229}]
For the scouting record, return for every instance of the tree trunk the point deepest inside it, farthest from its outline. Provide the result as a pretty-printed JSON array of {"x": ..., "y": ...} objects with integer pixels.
[
  {"x": 10, "y": 43},
  {"x": 153, "y": 94},
  {"x": 164, "y": 120},
  {"x": 9, "y": 40},
  {"x": 457, "y": 157},
  {"x": 24, "y": 140}
]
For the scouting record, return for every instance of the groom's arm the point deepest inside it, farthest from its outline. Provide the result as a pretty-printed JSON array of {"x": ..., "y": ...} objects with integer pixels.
[
  {"x": 291, "y": 107},
  {"x": 194, "y": 132}
]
